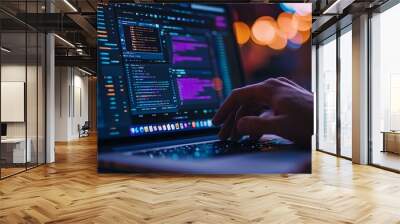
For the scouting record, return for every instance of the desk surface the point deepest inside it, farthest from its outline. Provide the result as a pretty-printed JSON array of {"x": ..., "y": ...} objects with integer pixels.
[
  {"x": 275, "y": 161},
  {"x": 13, "y": 140},
  {"x": 391, "y": 132}
]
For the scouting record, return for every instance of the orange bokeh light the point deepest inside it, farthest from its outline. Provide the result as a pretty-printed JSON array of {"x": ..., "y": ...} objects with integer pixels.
[
  {"x": 279, "y": 42},
  {"x": 263, "y": 30},
  {"x": 242, "y": 32},
  {"x": 301, "y": 37},
  {"x": 303, "y": 21},
  {"x": 287, "y": 24},
  {"x": 218, "y": 85}
]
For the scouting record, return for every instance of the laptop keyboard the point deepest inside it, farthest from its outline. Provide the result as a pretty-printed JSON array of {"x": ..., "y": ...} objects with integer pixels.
[{"x": 208, "y": 150}]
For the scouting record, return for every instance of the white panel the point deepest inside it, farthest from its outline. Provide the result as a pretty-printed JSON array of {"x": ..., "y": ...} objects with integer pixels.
[
  {"x": 12, "y": 101},
  {"x": 50, "y": 92}
]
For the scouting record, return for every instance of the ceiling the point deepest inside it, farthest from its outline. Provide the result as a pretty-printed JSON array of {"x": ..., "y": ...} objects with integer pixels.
[
  {"x": 75, "y": 21},
  {"x": 72, "y": 20}
]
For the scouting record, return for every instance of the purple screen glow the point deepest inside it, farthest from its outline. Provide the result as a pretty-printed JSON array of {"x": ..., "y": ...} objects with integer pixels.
[
  {"x": 187, "y": 49},
  {"x": 194, "y": 88},
  {"x": 220, "y": 22}
]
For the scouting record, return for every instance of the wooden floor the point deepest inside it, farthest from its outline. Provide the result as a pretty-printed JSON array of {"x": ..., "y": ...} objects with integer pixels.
[
  {"x": 70, "y": 191},
  {"x": 387, "y": 159},
  {"x": 5, "y": 172}
]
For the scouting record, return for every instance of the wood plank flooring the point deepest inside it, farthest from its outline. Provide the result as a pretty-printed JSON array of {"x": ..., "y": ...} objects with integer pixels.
[
  {"x": 10, "y": 171},
  {"x": 71, "y": 191}
]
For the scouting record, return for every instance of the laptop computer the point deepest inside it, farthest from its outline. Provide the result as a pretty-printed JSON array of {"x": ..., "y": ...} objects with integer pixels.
[{"x": 163, "y": 71}]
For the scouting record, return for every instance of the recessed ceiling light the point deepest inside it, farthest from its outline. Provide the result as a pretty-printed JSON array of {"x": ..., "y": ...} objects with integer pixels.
[
  {"x": 5, "y": 50},
  {"x": 84, "y": 71},
  {"x": 70, "y": 5},
  {"x": 65, "y": 41},
  {"x": 337, "y": 7}
]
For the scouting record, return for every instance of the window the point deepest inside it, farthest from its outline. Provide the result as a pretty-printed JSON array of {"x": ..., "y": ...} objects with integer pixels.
[
  {"x": 327, "y": 96},
  {"x": 346, "y": 93},
  {"x": 385, "y": 89}
]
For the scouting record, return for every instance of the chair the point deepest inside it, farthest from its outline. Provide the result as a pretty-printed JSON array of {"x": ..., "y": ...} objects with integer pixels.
[{"x": 84, "y": 130}]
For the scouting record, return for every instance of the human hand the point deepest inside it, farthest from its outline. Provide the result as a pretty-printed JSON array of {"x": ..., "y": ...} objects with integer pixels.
[{"x": 275, "y": 106}]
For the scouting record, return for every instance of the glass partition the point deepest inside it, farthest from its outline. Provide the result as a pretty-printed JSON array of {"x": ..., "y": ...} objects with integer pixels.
[
  {"x": 22, "y": 88},
  {"x": 15, "y": 149}
]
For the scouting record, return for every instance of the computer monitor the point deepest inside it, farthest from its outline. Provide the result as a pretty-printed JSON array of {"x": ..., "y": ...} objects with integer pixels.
[
  {"x": 3, "y": 130},
  {"x": 163, "y": 69}
]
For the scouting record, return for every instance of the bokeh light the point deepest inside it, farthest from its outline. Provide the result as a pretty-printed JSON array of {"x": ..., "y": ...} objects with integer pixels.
[
  {"x": 293, "y": 45},
  {"x": 287, "y": 24},
  {"x": 301, "y": 37},
  {"x": 279, "y": 42},
  {"x": 303, "y": 21},
  {"x": 263, "y": 30},
  {"x": 218, "y": 85},
  {"x": 242, "y": 32},
  {"x": 292, "y": 28}
]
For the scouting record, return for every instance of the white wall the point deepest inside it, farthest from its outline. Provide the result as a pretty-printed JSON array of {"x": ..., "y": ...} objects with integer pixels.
[
  {"x": 71, "y": 102},
  {"x": 14, "y": 73},
  {"x": 61, "y": 103},
  {"x": 81, "y": 104}
]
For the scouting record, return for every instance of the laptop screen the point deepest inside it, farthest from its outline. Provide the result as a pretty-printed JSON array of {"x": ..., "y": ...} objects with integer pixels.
[{"x": 162, "y": 68}]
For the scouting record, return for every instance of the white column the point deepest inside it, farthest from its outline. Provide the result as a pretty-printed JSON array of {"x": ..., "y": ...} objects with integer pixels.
[
  {"x": 360, "y": 90},
  {"x": 50, "y": 92},
  {"x": 50, "y": 100}
]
